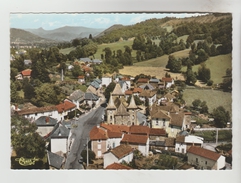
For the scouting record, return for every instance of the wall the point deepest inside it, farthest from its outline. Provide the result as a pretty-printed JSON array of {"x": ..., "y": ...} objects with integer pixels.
[
  {"x": 109, "y": 158},
  {"x": 106, "y": 81},
  {"x": 60, "y": 144},
  {"x": 180, "y": 147},
  {"x": 112, "y": 143},
  {"x": 44, "y": 130},
  {"x": 203, "y": 163},
  {"x": 101, "y": 148},
  {"x": 52, "y": 114}
]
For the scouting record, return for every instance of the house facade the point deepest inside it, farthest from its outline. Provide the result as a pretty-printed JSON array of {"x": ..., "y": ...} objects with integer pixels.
[
  {"x": 45, "y": 125},
  {"x": 77, "y": 97},
  {"x": 183, "y": 143},
  {"x": 205, "y": 159},
  {"x": 150, "y": 95},
  {"x": 168, "y": 82},
  {"x": 139, "y": 142},
  {"x": 119, "y": 154},
  {"x": 106, "y": 80}
]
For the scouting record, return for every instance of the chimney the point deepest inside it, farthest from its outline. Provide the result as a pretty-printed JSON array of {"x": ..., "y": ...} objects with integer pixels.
[{"x": 47, "y": 119}]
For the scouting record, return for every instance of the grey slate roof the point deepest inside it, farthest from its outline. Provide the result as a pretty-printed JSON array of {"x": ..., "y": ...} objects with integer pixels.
[
  {"x": 60, "y": 131},
  {"x": 55, "y": 160},
  {"x": 77, "y": 95},
  {"x": 91, "y": 96},
  {"x": 121, "y": 82},
  {"x": 147, "y": 86},
  {"x": 96, "y": 61},
  {"x": 154, "y": 80},
  {"x": 85, "y": 59},
  {"x": 96, "y": 83},
  {"x": 45, "y": 121},
  {"x": 141, "y": 117},
  {"x": 157, "y": 143}
]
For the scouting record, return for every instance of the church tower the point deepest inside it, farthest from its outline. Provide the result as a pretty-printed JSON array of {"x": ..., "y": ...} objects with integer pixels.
[
  {"x": 110, "y": 110},
  {"x": 132, "y": 110}
]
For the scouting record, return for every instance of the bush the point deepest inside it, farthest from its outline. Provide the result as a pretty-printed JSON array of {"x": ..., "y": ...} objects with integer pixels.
[{"x": 210, "y": 82}]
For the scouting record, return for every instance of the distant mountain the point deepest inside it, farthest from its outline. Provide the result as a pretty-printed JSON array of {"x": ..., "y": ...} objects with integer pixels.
[
  {"x": 22, "y": 36},
  {"x": 66, "y": 33}
]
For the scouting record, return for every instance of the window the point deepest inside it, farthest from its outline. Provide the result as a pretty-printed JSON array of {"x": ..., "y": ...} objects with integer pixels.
[
  {"x": 206, "y": 162},
  {"x": 196, "y": 160},
  {"x": 99, "y": 141},
  {"x": 111, "y": 118},
  {"x": 99, "y": 146},
  {"x": 157, "y": 121},
  {"x": 164, "y": 122},
  {"x": 133, "y": 117},
  {"x": 113, "y": 144}
]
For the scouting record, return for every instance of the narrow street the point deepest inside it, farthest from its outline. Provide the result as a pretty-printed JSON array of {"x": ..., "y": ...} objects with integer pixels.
[{"x": 80, "y": 134}]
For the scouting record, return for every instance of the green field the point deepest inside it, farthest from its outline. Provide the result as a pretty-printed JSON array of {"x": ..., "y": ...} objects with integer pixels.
[
  {"x": 184, "y": 38},
  {"x": 214, "y": 98},
  {"x": 115, "y": 46},
  {"x": 66, "y": 50},
  {"x": 217, "y": 66},
  {"x": 162, "y": 61}
]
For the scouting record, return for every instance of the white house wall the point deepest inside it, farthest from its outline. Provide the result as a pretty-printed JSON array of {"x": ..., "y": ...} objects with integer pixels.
[
  {"x": 112, "y": 143},
  {"x": 110, "y": 158},
  {"x": 180, "y": 147},
  {"x": 221, "y": 162},
  {"x": 44, "y": 130},
  {"x": 52, "y": 114},
  {"x": 106, "y": 81},
  {"x": 60, "y": 144}
]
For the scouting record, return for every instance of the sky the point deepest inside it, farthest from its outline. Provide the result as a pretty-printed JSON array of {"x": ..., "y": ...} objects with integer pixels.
[{"x": 91, "y": 20}]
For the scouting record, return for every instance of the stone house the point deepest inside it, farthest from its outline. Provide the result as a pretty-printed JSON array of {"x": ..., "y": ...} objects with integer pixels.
[
  {"x": 205, "y": 159},
  {"x": 119, "y": 154}
]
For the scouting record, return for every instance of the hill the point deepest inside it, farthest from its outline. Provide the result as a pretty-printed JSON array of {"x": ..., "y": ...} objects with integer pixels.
[
  {"x": 66, "y": 33},
  {"x": 112, "y": 28},
  {"x": 22, "y": 36}
]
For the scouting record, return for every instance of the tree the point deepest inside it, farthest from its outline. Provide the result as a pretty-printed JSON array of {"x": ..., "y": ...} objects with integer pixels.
[
  {"x": 91, "y": 155},
  {"x": 25, "y": 140},
  {"x": 190, "y": 76},
  {"x": 109, "y": 89},
  {"x": 90, "y": 36},
  {"x": 173, "y": 64},
  {"x": 204, "y": 107},
  {"x": 76, "y": 71},
  {"x": 29, "y": 91},
  {"x": 196, "y": 103},
  {"x": 221, "y": 116},
  {"x": 76, "y": 42},
  {"x": 204, "y": 73},
  {"x": 202, "y": 56},
  {"x": 48, "y": 94}
]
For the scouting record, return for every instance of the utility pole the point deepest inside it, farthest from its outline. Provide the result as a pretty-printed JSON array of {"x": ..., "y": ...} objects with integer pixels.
[{"x": 87, "y": 153}]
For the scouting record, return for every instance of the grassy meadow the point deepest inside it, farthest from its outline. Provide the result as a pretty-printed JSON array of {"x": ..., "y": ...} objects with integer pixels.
[
  {"x": 214, "y": 98},
  {"x": 217, "y": 66}
]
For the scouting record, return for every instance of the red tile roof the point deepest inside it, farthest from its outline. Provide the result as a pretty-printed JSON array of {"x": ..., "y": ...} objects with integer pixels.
[
  {"x": 26, "y": 72},
  {"x": 157, "y": 132},
  {"x": 204, "y": 153},
  {"x": 98, "y": 134},
  {"x": 134, "y": 139},
  {"x": 115, "y": 128},
  {"x": 137, "y": 90},
  {"x": 81, "y": 77},
  {"x": 37, "y": 110},
  {"x": 67, "y": 105},
  {"x": 142, "y": 80},
  {"x": 167, "y": 79},
  {"x": 141, "y": 130},
  {"x": 117, "y": 166},
  {"x": 121, "y": 151},
  {"x": 128, "y": 92}
]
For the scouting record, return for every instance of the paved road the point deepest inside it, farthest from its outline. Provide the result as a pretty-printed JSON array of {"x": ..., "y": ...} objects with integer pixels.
[{"x": 80, "y": 134}]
